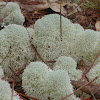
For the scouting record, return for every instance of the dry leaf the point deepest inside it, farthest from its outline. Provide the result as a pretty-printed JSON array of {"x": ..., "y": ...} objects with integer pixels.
[
  {"x": 97, "y": 25},
  {"x": 56, "y": 8},
  {"x": 95, "y": 88},
  {"x": 53, "y": 4}
]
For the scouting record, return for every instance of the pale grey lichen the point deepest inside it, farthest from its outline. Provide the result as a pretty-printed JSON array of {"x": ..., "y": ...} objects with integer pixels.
[
  {"x": 76, "y": 42},
  {"x": 11, "y": 14},
  {"x": 15, "y": 46},
  {"x": 33, "y": 80},
  {"x": 88, "y": 44},
  {"x": 40, "y": 82},
  {"x": 59, "y": 85},
  {"x": 69, "y": 65},
  {"x": 6, "y": 92},
  {"x": 90, "y": 56},
  {"x": 95, "y": 72},
  {"x": 47, "y": 37}
]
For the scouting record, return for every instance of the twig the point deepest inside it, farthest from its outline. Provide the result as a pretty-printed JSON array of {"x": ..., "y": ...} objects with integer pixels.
[
  {"x": 14, "y": 73},
  {"x": 79, "y": 88},
  {"x": 50, "y": 61},
  {"x": 83, "y": 68},
  {"x": 6, "y": 55},
  {"x": 22, "y": 98},
  {"x": 27, "y": 96},
  {"x": 92, "y": 94},
  {"x": 11, "y": 82},
  {"x": 60, "y": 21},
  {"x": 17, "y": 71},
  {"x": 12, "y": 69},
  {"x": 12, "y": 90},
  {"x": 95, "y": 88},
  {"x": 48, "y": 98}
]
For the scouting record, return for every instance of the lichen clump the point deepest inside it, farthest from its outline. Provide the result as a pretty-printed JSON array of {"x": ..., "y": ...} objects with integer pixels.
[
  {"x": 12, "y": 14},
  {"x": 47, "y": 36},
  {"x": 6, "y": 92},
  {"x": 95, "y": 72},
  {"x": 69, "y": 65},
  {"x": 33, "y": 80},
  {"x": 59, "y": 85},
  {"x": 15, "y": 48},
  {"x": 76, "y": 42},
  {"x": 41, "y": 82}
]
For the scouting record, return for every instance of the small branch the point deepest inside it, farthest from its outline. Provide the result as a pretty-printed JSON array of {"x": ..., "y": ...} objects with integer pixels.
[
  {"x": 50, "y": 61},
  {"x": 27, "y": 96},
  {"x": 60, "y": 21},
  {"x": 48, "y": 98},
  {"x": 82, "y": 68},
  {"x": 18, "y": 71},
  {"x": 6, "y": 55},
  {"x": 92, "y": 94},
  {"x": 13, "y": 89},
  {"x": 12, "y": 68},
  {"x": 14, "y": 73},
  {"x": 81, "y": 87},
  {"x": 89, "y": 88}
]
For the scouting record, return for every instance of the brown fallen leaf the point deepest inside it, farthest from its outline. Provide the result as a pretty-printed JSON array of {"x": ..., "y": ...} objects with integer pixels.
[
  {"x": 97, "y": 26},
  {"x": 53, "y": 4},
  {"x": 95, "y": 88},
  {"x": 56, "y": 7}
]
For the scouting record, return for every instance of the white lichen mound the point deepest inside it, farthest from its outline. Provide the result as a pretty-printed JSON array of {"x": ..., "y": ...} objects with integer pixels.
[
  {"x": 11, "y": 14},
  {"x": 76, "y": 42},
  {"x": 90, "y": 38},
  {"x": 47, "y": 37},
  {"x": 6, "y": 92},
  {"x": 15, "y": 48},
  {"x": 89, "y": 58},
  {"x": 40, "y": 82},
  {"x": 33, "y": 80},
  {"x": 88, "y": 44},
  {"x": 69, "y": 65},
  {"x": 59, "y": 85},
  {"x": 95, "y": 72}
]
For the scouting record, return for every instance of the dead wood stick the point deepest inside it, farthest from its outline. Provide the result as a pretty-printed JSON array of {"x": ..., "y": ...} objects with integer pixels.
[
  {"x": 79, "y": 88},
  {"x": 95, "y": 89},
  {"x": 27, "y": 96}
]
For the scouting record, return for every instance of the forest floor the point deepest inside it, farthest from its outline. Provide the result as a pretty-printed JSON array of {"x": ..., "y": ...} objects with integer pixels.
[{"x": 88, "y": 18}]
